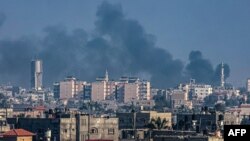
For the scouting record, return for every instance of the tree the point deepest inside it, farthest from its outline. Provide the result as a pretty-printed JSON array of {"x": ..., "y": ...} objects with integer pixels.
[{"x": 158, "y": 123}]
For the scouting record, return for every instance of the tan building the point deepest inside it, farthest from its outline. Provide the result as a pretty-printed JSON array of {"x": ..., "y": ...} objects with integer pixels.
[
  {"x": 231, "y": 119},
  {"x": 70, "y": 88},
  {"x": 240, "y": 112},
  {"x": 144, "y": 90},
  {"x": 98, "y": 91},
  {"x": 131, "y": 92},
  {"x": 103, "y": 89},
  {"x": 6, "y": 112},
  {"x": 68, "y": 128},
  {"x": 18, "y": 135},
  {"x": 179, "y": 98},
  {"x": 142, "y": 119},
  {"x": 139, "y": 90},
  {"x": 125, "y": 90},
  {"x": 97, "y": 128}
]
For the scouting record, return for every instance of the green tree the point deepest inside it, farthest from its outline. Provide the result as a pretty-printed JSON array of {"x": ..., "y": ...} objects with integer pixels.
[{"x": 158, "y": 123}]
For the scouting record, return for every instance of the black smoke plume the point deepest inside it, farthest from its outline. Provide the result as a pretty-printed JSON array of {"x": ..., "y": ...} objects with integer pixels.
[
  {"x": 202, "y": 70},
  {"x": 118, "y": 44},
  {"x": 217, "y": 73}
]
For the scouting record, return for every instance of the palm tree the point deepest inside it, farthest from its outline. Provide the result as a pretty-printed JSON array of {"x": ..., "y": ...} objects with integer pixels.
[{"x": 158, "y": 123}]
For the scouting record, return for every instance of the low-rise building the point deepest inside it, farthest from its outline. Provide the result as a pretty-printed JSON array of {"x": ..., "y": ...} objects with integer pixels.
[
  {"x": 96, "y": 128},
  {"x": 140, "y": 120},
  {"x": 209, "y": 121},
  {"x": 62, "y": 127},
  {"x": 18, "y": 135},
  {"x": 179, "y": 98}
]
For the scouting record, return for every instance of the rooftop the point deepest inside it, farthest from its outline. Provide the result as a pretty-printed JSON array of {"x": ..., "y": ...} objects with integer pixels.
[{"x": 18, "y": 132}]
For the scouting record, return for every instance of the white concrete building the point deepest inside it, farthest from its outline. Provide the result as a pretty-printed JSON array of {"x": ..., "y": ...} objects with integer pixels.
[{"x": 202, "y": 91}]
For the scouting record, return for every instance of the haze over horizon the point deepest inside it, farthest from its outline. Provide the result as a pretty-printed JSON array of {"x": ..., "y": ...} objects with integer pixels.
[{"x": 166, "y": 42}]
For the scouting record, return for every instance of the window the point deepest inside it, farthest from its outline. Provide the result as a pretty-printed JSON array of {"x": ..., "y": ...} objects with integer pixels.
[
  {"x": 83, "y": 122},
  {"x": 94, "y": 130},
  {"x": 111, "y": 131}
]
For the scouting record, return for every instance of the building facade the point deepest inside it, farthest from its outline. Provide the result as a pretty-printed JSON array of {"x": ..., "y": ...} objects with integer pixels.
[
  {"x": 70, "y": 88},
  {"x": 140, "y": 120},
  {"x": 96, "y": 128}
]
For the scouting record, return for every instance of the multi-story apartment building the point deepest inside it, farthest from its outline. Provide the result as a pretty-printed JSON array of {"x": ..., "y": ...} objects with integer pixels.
[
  {"x": 179, "y": 98},
  {"x": 199, "y": 91},
  {"x": 124, "y": 90},
  {"x": 99, "y": 91},
  {"x": 70, "y": 87}
]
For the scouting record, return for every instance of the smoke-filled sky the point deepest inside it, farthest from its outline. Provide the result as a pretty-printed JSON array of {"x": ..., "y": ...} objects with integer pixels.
[{"x": 164, "y": 41}]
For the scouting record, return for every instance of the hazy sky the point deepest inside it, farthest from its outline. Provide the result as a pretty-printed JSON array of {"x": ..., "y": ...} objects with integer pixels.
[{"x": 220, "y": 29}]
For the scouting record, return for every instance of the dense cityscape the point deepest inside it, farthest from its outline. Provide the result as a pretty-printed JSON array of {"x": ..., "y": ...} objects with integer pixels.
[
  {"x": 125, "y": 109},
  {"x": 92, "y": 70}
]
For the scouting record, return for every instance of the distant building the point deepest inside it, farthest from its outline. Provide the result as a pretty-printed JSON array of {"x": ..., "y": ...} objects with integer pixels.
[
  {"x": 125, "y": 90},
  {"x": 70, "y": 88},
  {"x": 87, "y": 91},
  {"x": 161, "y": 92},
  {"x": 36, "y": 74},
  {"x": 103, "y": 89},
  {"x": 131, "y": 92},
  {"x": 228, "y": 92},
  {"x": 248, "y": 85},
  {"x": 99, "y": 91},
  {"x": 56, "y": 90},
  {"x": 37, "y": 95},
  {"x": 179, "y": 98},
  {"x": 131, "y": 88},
  {"x": 18, "y": 135},
  {"x": 201, "y": 91}
]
